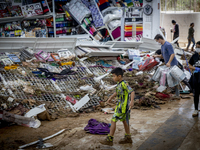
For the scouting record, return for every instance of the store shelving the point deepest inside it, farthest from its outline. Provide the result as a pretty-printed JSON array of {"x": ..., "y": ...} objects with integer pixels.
[
  {"x": 11, "y": 19},
  {"x": 21, "y": 18}
]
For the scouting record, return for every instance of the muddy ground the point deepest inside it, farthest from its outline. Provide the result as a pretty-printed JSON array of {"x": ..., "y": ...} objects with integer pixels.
[{"x": 142, "y": 123}]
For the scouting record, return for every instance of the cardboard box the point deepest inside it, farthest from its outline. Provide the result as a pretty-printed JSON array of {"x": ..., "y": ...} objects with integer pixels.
[{"x": 32, "y": 10}]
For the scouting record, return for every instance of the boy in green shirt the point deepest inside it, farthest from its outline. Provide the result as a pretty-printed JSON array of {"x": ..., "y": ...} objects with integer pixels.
[{"x": 122, "y": 111}]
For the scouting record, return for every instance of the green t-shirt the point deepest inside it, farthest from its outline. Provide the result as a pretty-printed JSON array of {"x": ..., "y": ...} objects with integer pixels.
[{"x": 123, "y": 91}]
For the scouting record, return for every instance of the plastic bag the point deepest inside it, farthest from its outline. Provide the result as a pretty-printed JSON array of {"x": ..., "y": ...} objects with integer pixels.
[
  {"x": 177, "y": 73},
  {"x": 148, "y": 64},
  {"x": 161, "y": 88},
  {"x": 163, "y": 79},
  {"x": 187, "y": 73},
  {"x": 113, "y": 24},
  {"x": 157, "y": 74},
  {"x": 133, "y": 53},
  {"x": 137, "y": 60},
  {"x": 117, "y": 12},
  {"x": 109, "y": 17},
  {"x": 171, "y": 81}
]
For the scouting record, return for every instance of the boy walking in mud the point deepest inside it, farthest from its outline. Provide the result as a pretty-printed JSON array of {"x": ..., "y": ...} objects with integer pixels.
[{"x": 122, "y": 111}]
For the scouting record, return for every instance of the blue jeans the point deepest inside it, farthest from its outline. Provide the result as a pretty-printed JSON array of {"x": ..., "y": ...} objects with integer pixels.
[{"x": 189, "y": 42}]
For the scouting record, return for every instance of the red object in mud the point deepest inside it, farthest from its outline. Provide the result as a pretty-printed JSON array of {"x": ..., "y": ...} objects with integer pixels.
[
  {"x": 148, "y": 64},
  {"x": 162, "y": 96},
  {"x": 71, "y": 99}
]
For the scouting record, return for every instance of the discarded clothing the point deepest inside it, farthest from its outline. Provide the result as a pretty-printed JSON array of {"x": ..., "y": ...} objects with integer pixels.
[
  {"x": 96, "y": 127},
  {"x": 62, "y": 74}
]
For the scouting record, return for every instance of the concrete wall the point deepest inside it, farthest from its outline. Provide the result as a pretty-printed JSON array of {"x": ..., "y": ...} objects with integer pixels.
[{"x": 184, "y": 20}]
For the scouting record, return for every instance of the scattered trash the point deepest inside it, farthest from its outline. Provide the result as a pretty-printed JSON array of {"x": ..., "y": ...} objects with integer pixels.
[
  {"x": 148, "y": 64},
  {"x": 71, "y": 100},
  {"x": 161, "y": 88},
  {"x": 87, "y": 88},
  {"x": 108, "y": 110},
  {"x": 80, "y": 103},
  {"x": 35, "y": 111},
  {"x": 41, "y": 144},
  {"x": 162, "y": 96},
  {"x": 26, "y": 145},
  {"x": 49, "y": 90},
  {"x": 20, "y": 120}
]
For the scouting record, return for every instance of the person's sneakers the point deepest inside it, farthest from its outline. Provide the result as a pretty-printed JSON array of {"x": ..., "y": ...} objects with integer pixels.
[
  {"x": 107, "y": 141},
  {"x": 195, "y": 113},
  {"x": 126, "y": 139}
]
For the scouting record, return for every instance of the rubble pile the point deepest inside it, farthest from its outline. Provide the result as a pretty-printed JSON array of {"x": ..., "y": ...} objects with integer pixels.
[
  {"x": 34, "y": 81},
  {"x": 145, "y": 89},
  {"x": 68, "y": 86}
]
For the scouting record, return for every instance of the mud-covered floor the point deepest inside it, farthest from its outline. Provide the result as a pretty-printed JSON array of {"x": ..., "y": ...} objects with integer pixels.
[{"x": 143, "y": 123}]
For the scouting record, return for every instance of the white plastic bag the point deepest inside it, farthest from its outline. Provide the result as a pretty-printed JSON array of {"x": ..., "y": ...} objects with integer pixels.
[
  {"x": 113, "y": 24},
  {"x": 177, "y": 73},
  {"x": 133, "y": 53},
  {"x": 109, "y": 17},
  {"x": 117, "y": 12},
  {"x": 161, "y": 88},
  {"x": 137, "y": 60},
  {"x": 157, "y": 74},
  {"x": 187, "y": 73},
  {"x": 86, "y": 88},
  {"x": 171, "y": 81}
]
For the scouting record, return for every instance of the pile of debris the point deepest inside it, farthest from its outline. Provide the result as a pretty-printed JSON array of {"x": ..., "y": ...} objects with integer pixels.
[
  {"x": 67, "y": 86},
  {"x": 63, "y": 86},
  {"x": 145, "y": 90}
]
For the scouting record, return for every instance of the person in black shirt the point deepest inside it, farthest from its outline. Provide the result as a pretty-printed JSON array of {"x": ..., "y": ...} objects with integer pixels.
[
  {"x": 175, "y": 31},
  {"x": 194, "y": 65},
  {"x": 158, "y": 52}
]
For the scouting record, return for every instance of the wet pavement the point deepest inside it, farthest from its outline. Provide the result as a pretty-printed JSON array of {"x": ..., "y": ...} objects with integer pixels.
[
  {"x": 144, "y": 125},
  {"x": 174, "y": 131}
]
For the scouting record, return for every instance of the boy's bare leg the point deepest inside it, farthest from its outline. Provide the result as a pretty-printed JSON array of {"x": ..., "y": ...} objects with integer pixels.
[
  {"x": 112, "y": 128},
  {"x": 126, "y": 127},
  {"x": 109, "y": 138},
  {"x": 127, "y": 138}
]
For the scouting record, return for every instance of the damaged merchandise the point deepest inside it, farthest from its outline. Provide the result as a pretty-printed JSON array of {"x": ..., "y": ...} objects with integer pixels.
[{"x": 48, "y": 85}]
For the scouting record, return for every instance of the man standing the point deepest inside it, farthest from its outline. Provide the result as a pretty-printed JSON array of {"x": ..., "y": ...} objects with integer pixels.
[
  {"x": 194, "y": 64},
  {"x": 191, "y": 37},
  {"x": 167, "y": 53},
  {"x": 175, "y": 31}
]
